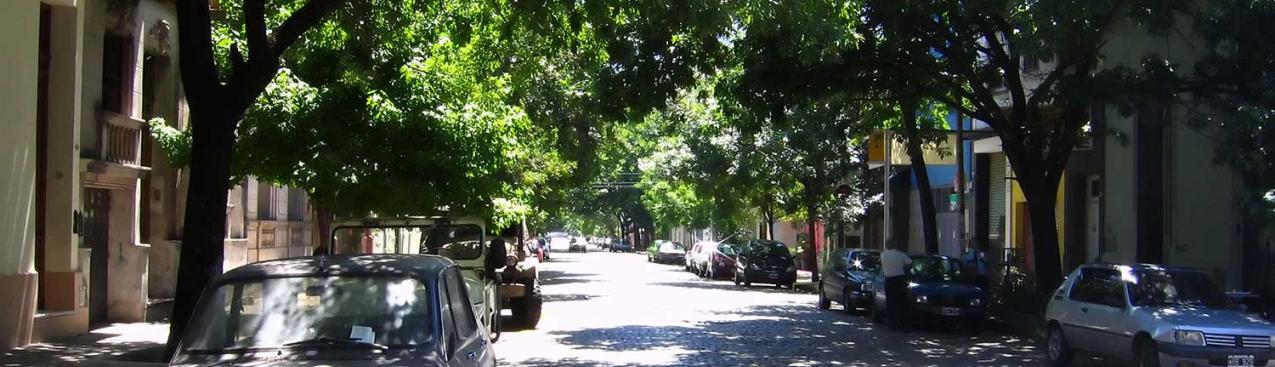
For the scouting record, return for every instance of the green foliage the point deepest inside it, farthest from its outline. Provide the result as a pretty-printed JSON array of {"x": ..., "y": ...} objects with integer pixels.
[{"x": 173, "y": 142}]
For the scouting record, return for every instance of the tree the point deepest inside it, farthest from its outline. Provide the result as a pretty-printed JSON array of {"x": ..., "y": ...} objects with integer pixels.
[{"x": 217, "y": 102}]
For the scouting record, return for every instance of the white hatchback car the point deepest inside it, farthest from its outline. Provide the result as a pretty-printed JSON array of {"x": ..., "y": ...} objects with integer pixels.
[{"x": 1154, "y": 316}]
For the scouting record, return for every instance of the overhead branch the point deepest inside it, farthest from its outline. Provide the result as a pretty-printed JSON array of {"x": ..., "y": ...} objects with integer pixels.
[
  {"x": 254, "y": 14},
  {"x": 301, "y": 20}
]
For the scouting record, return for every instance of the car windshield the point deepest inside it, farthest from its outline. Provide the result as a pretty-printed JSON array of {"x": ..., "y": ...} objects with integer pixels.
[
  {"x": 671, "y": 247},
  {"x": 770, "y": 248},
  {"x": 935, "y": 268},
  {"x": 455, "y": 241},
  {"x": 865, "y": 261},
  {"x": 1187, "y": 288},
  {"x": 288, "y": 312},
  {"x": 726, "y": 249}
]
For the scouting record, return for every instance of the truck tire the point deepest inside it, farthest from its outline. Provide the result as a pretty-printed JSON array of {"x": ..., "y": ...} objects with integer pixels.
[{"x": 526, "y": 310}]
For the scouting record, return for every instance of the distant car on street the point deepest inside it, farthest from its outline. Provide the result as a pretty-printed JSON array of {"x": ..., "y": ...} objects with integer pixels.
[
  {"x": 619, "y": 245},
  {"x": 666, "y": 252},
  {"x": 1154, "y": 316},
  {"x": 936, "y": 291},
  {"x": 559, "y": 241},
  {"x": 765, "y": 261},
  {"x": 846, "y": 278},
  {"x": 338, "y": 310},
  {"x": 578, "y": 244}
]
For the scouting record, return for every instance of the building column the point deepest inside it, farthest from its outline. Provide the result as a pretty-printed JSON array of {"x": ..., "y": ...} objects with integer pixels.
[{"x": 19, "y": 73}]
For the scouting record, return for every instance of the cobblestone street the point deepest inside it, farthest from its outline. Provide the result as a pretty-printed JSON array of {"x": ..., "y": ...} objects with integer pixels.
[{"x": 617, "y": 309}]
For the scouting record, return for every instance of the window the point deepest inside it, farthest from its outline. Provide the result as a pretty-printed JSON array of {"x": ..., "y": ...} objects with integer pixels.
[
  {"x": 461, "y": 309},
  {"x": 1099, "y": 286},
  {"x": 265, "y": 201},
  {"x": 114, "y": 55}
]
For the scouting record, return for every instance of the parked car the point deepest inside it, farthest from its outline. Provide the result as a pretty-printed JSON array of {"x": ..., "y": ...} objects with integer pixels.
[
  {"x": 715, "y": 260},
  {"x": 1154, "y": 316},
  {"x": 765, "y": 261},
  {"x": 666, "y": 252},
  {"x": 338, "y": 310},
  {"x": 936, "y": 291},
  {"x": 846, "y": 278},
  {"x": 688, "y": 263},
  {"x": 619, "y": 245},
  {"x": 578, "y": 244}
]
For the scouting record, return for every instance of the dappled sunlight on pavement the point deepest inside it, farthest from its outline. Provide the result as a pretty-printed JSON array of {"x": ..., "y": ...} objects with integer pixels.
[{"x": 113, "y": 340}]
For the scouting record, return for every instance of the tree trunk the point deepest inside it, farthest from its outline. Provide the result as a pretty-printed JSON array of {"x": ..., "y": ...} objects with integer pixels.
[
  {"x": 203, "y": 237},
  {"x": 1041, "y": 204},
  {"x": 768, "y": 216},
  {"x": 323, "y": 220},
  {"x": 809, "y": 256},
  {"x": 929, "y": 227}
]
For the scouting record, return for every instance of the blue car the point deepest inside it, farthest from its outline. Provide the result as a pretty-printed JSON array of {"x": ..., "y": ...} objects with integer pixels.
[
  {"x": 937, "y": 291},
  {"x": 620, "y": 246}
]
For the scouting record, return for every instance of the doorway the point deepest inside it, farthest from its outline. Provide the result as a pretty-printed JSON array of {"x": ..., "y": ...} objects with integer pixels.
[{"x": 97, "y": 206}]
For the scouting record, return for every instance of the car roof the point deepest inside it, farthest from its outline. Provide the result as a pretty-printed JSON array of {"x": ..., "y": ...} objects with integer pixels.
[
  {"x": 416, "y": 266},
  {"x": 1140, "y": 267}
]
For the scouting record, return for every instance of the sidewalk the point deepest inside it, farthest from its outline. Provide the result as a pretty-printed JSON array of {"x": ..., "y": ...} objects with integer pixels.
[{"x": 110, "y": 341}]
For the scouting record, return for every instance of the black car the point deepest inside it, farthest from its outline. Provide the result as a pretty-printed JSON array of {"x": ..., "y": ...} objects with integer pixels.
[
  {"x": 765, "y": 261},
  {"x": 936, "y": 291},
  {"x": 846, "y": 278}
]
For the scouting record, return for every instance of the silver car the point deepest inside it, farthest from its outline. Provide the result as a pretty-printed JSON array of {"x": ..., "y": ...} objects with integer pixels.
[
  {"x": 338, "y": 310},
  {"x": 1154, "y": 316}
]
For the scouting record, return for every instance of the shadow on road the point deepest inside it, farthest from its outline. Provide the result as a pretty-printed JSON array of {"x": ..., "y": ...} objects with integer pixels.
[
  {"x": 797, "y": 335},
  {"x": 556, "y": 277}
]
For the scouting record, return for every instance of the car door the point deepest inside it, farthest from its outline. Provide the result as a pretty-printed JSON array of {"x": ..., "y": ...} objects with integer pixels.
[
  {"x": 466, "y": 343},
  {"x": 835, "y": 275},
  {"x": 1095, "y": 318}
]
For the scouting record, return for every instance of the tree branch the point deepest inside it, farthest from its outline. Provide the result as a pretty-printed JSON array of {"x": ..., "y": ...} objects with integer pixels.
[
  {"x": 255, "y": 24},
  {"x": 198, "y": 70},
  {"x": 303, "y": 19}
]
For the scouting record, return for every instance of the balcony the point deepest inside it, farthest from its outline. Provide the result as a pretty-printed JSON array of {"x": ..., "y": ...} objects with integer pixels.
[{"x": 121, "y": 140}]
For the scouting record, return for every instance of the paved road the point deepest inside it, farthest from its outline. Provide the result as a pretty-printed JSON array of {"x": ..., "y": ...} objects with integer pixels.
[{"x": 616, "y": 309}]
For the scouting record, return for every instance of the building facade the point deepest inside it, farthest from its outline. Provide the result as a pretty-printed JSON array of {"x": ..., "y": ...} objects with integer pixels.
[{"x": 91, "y": 226}]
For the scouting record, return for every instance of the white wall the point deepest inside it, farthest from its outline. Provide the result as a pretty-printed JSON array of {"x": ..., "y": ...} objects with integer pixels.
[
  {"x": 1201, "y": 218},
  {"x": 19, "y": 72}
]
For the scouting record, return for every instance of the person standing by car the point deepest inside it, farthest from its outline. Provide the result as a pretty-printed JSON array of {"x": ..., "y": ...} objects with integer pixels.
[{"x": 894, "y": 265}]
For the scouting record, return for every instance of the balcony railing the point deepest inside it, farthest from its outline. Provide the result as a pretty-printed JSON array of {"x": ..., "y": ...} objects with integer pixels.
[{"x": 121, "y": 140}]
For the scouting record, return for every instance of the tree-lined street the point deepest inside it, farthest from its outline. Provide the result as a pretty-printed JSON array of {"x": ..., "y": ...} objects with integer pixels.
[{"x": 616, "y": 309}]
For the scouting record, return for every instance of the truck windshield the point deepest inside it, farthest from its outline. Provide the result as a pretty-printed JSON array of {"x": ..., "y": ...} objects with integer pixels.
[
  {"x": 1169, "y": 288},
  {"x": 455, "y": 241},
  {"x": 290, "y": 312}
]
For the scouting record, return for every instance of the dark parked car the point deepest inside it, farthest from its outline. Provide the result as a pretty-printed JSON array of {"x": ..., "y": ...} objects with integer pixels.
[
  {"x": 618, "y": 245},
  {"x": 338, "y": 310},
  {"x": 666, "y": 252},
  {"x": 935, "y": 292},
  {"x": 764, "y": 261},
  {"x": 846, "y": 278}
]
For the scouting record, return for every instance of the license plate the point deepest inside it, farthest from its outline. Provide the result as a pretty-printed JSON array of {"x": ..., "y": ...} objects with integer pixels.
[
  {"x": 774, "y": 276},
  {"x": 951, "y": 311},
  {"x": 1239, "y": 361}
]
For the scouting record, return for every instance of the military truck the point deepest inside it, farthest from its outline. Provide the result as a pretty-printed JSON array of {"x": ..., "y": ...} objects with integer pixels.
[{"x": 497, "y": 274}]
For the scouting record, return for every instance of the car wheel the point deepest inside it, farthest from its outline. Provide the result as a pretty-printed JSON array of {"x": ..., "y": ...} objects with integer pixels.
[
  {"x": 1057, "y": 349},
  {"x": 824, "y": 302},
  {"x": 973, "y": 325},
  {"x": 1148, "y": 355},
  {"x": 846, "y": 302},
  {"x": 747, "y": 283}
]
